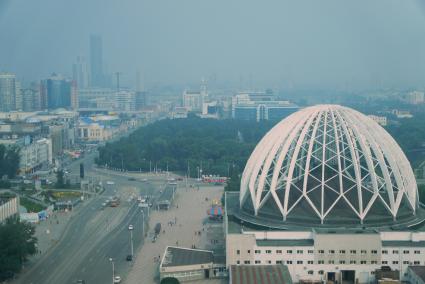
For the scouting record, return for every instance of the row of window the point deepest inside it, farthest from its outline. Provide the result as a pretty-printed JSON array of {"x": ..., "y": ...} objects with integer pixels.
[
  {"x": 417, "y": 262},
  {"x": 289, "y": 251}
]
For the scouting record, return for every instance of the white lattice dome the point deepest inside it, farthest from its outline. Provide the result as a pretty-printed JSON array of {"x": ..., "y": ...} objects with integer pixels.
[{"x": 328, "y": 164}]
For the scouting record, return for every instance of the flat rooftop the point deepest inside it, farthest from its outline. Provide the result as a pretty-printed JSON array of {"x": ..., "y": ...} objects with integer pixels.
[
  {"x": 259, "y": 274},
  {"x": 178, "y": 256}
]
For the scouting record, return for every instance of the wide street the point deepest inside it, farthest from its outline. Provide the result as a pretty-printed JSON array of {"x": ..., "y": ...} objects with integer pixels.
[{"x": 94, "y": 235}]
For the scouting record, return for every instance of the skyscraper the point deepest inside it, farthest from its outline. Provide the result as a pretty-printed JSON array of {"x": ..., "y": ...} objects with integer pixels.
[
  {"x": 96, "y": 61},
  {"x": 59, "y": 92},
  {"x": 7, "y": 92},
  {"x": 80, "y": 73}
]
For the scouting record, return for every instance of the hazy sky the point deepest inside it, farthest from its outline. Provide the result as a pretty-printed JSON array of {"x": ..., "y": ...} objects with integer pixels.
[{"x": 326, "y": 43}]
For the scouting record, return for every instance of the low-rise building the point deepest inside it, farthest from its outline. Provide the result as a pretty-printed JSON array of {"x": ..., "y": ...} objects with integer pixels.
[
  {"x": 381, "y": 120},
  {"x": 9, "y": 207},
  {"x": 186, "y": 264},
  {"x": 258, "y": 106},
  {"x": 34, "y": 155}
]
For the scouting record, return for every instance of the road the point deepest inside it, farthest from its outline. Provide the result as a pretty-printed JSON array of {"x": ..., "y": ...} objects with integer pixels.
[{"x": 94, "y": 235}]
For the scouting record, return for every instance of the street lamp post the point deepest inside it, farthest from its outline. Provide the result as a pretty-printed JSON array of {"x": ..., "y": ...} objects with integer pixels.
[
  {"x": 143, "y": 221},
  {"x": 131, "y": 239},
  {"x": 113, "y": 269}
]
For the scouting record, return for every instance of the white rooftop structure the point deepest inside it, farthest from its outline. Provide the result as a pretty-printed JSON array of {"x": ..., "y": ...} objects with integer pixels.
[{"x": 329, "y": 164}]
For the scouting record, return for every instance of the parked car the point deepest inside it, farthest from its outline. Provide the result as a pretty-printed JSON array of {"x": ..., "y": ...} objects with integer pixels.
[
  {"x": 117, "y": 279},
  {"x": 129, "y": 257},
  {"x": 110, "y": 182}
]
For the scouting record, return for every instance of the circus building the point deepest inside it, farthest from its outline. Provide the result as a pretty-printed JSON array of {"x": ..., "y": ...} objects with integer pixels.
[{"x": 330, "y": 194}]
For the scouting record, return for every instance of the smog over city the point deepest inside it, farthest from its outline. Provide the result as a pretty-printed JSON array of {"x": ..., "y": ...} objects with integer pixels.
[{"x": 212, "y": 141}]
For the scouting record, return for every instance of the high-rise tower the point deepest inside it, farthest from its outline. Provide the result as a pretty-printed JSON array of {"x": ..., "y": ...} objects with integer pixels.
[
  {"x": 96, "y": 61},
  {"x": 7, "y": 92}
]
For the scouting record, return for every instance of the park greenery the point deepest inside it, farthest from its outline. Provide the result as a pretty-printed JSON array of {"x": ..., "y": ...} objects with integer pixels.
[
  {"x": 30, "y": 205},
  {"x": 9, "y": 161},
  {"x": 17, "y": 243},
  {"x": 218, "y": 147},
  {"x": 222, "y": 147}
]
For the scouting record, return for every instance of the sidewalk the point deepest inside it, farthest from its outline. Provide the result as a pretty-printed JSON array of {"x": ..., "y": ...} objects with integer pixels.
[{"x": 180, "y": 225}]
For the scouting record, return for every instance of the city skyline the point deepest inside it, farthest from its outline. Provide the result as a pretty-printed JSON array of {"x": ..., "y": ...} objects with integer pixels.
[{"x": 303, "y": 44}]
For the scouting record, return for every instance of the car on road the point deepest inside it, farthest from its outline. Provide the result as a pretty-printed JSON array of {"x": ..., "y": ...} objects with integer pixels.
[
  {"x": 81, "y": 281},
  {"x": 130, "y": 227},
  {"x": 117, "y": 279},
  {"x": 145, "y": 179},
  {"x": 110, "y": 182},
  {"x": 131, "y": 179},
  {"x": 129, "y": 257}
]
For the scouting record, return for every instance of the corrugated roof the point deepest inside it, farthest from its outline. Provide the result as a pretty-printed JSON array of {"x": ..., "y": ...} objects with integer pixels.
[
  {"x": 177, "y": 256},
  {"x": 260, "y": 274}
]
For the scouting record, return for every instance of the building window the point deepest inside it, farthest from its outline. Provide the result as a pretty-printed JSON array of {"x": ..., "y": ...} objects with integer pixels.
[
  {"x": 395, "y": 262},
  {"x": 247, "y": 262},
  {"x": 405, "y": 252},
  {"x": 417, "y": 252},
  {"x": 321, "y": 262},
  {"x": 279, "y": 251},
  {"x": 238, "y": 252},
  {"x": 373, "y": 262},
  {"x": 395, "y": 251},
  {"x": 342, "y": 251},
  {"x": 310, "y": 251},
  {"x": 331, "y": 262},
  {"x": 268, "y": 251},
  {"x": 299, "y": 262},
  {"x": 249, "y": 251},
  {"x": 257, "y": 261},
  {"x": 342, "y": 262},
  {"x": 289, "y": 251},
  {"x": 300, "y": 251},
  {"x": 257, "y": 251},
  {"x": 278, "y": 262},
  {"x": 238, "y": 262},
  {"x": 384, "y": 252},
  {"x": 374, "y": 251},
  {"x": 310, "y": 272},
  {"x": 321, "y": 251},
  {"x": 321, "y": 272},
  {"x": 353, "y": 251},
  {"x": 269, "y": 262},
  {"x": 289, "y": 262},
  {"x": 384, "y": 262},
  {"x": 416, "y": 262},
  {"x": 363, "y": 261},
  {"x": 352, "y": 262},
  {"x": 310, "y": 261},
  {"x": 405, "y": 262},
  {"x": 363, "y": 251},
  {"x": 331, "y": 251}
]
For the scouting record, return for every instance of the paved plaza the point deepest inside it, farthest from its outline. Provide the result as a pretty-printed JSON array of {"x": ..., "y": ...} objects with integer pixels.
[{"x": 181, "y": 226}]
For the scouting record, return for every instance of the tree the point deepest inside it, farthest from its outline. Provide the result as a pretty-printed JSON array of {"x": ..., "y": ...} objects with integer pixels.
[
  {"x": 17, "y": 242},
  {"x": 183, "y": 144},
  {"x": 9, "y": 160}
]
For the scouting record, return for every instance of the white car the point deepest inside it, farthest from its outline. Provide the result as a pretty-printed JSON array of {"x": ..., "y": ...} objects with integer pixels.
[
  {"x": 110, "y": 182},
  {"x": 130, "y": 227},
  {"x": 117, "y": 279}
]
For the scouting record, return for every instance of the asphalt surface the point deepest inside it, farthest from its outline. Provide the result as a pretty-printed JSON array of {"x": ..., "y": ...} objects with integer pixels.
[{"x": 94, "y": 235}]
